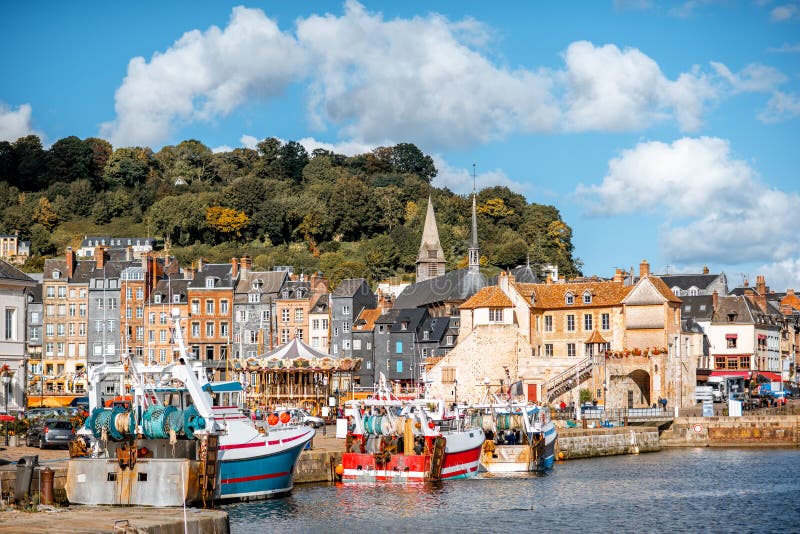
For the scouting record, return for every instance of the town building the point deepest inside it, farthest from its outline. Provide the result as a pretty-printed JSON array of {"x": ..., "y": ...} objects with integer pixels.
[
  {"x": 169, "y": 295},
  {"x": 319, "y": 319},
  {"x": 14, "y": 251},
  {"x": 347, "y": 300},
  {"x": 138, "y": 246},
  {"x": 692, "y": 285},
  {"x": 15, "y": 287},
  {"x": 293, "y": 306},
  {"x": 254, "y": 308}
]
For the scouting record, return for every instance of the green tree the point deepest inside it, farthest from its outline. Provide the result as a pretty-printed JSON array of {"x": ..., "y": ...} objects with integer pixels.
[
  {"x": 355, "y": 212},
  {"x": 407, "y": 158},
  {"x": 128, "y": 167},
  {"x": 81, "y": 197},
  {"x": 70, "y": 159},
  {"x": 31, "y": 166},
  {"x": 101, "y": 153},
  {"x": 180, "y": 218}
]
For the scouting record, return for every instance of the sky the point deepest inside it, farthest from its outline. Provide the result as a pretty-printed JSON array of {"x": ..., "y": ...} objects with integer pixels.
[{"x": 666, "y": 131}]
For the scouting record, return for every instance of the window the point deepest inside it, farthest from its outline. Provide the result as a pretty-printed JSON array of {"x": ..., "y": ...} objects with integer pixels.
[
  {"x": 284, "y": 335},
  {"x": 315, "y": 324},
  {"x": 176, "y": 299},
  {"x": 139, "y": 312},
  {"x": 11, "y": 325},
  {"x": 265, "y": 315},
  {"x": 209, "y": 282},
  {"x": 448, "y": 340},
  {"x": 605, "y": 321},
  {"x": 99, "y": 303},
  {"x": 157, "y": 298},
  {"x": 112, "y": 304},
  {"x": 82, "y": 310},
  {"x": 570, "y": 323},
  {"x": 399, "y": 366},
  {"x": 195, "y": 329},
  {"x": 61, "y": 329},
  {"x": 51, "y": 310},
  {"x": 110, "y": 325},
  {"x": 162, "y": 336},
  {"x": 315, "y": 342},
  {"x": 72, "y": 310},
  {"x": 252, "y": 336},
  {"x": 241, "y": 316},
  {"x": 345, "y": 310},
  {"x": 345, "y": 327},
  {"x": 151, "y": 318},
  {"x": 254, "y": 298},
  {"x": 285, "y": 315},
  {"x": 571, "y": 350},
  {"x": 139, "y": 293},
  {"x": 209, "y": 307},
  {"x": 209, "y": 329},
  {"x": 587, "y": 297},
  {"x": 587, "y": 322},
  {"x": 548, "y": 323},
  {"x": 335, "y": 331},
  {"x": 324, "y": 324},
  {"x": 569, "y": 299},
  {"x": 223, "y": 307},
  {"x": 548, "y": 350},
  {"x": 426, "y": 335},
  {"x": 81, "y": 329},
  {"x": 98, "y": 326},
  {"x": 62, "y": 292},
  {"x": 346, "y": 344},
  {"x": 51, "y": 291},
  {"x": 128, "y": 293},
  {"x": 398, "y": 347},
  {"x": 62, "y": 310},
  {"x": 195, "y": 306},
  {"x": 139, "y": 332},
  {"x": 223, "y": 329},
  {"x": 36, "y": 333},
  {"x": 589, "y": 349},
  {"x": 731, "y": 339},
  {"x": 35, "y": 317},
  {"x": 128, "y": 312},
  {"x": 151, "y": 336},
  {"x": 162, "y": 355},
  {"x": 162, "y": 318},
  {"x": 495, "y": 315},
  {"x": 356, "y": 344},
  {"x": 298, "y": 315},
  {"x": 49, "y": 329}
]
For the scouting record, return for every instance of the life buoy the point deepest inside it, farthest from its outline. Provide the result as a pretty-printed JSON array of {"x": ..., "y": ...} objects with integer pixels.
[
  {"x": 272, "y": 419},
  {"x": 285, "y": 417}
]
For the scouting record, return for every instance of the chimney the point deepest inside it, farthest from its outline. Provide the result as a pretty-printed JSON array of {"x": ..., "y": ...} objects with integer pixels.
[
  {"x": 705, "y": 269},
  {"x": 99, "y": 257},
  {"x": 234, "y": 268},
  {"x": 761, "y": 293},
  {"x": 644, "y": 269},
  {"x": 790, "y": 292},
  {"x": 246, "y": 263},
  {"x": 619, "y": 276},
  {"x": 746, "y": 282},
  {"x": 200, "y": 263},
  {"x": 549, "y": 279},
  {"x": 129, "y": 253},
  {"x": 71, "y": 262},
  {"x": 188, "y": 273},
  {"x": 714, "y": 301}
]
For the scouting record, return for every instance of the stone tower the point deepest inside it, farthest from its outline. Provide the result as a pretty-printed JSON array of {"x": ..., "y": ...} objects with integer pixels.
[{"x": 430, "y": 261}]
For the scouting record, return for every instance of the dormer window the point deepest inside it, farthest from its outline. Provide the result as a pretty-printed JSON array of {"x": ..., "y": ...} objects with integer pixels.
[
  {"x": 157, "y": 298},
  {"x": 256, "y": 284},
  {"x": 693, "y": 291},
  {"x": 286, "y": 293},
  {"x": 731, "y": 317},
  {"x": 176, "y": 299},
  {"x": 210, "y": 282},
  {"x": 254, "y": 298},
  {"x": 426, "y": 335},
  {"x": 404, "y": 325},
  {"x": 533, "y": 299},
  {"x": 569, "y": 299},
  {"x": 587, "y": 297},
  {"x": 56, "y": 274}
]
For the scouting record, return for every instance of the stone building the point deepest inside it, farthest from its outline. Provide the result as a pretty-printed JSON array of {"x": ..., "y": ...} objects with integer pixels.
[
  {"x": 254, "y": 308},
  {"x": 347, "y": 301}
]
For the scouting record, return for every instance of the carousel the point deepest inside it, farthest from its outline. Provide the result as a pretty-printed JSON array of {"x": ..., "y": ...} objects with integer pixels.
[{"x": 297, "y": 375}]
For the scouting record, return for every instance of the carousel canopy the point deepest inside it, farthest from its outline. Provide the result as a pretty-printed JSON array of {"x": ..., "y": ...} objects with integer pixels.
[
  {"x": 223, "y": 387},
  {"x": 297, "y": 354}
]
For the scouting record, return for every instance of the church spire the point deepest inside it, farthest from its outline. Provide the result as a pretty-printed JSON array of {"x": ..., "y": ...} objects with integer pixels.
[
  {"x": 474, "y": 253},
  {"x": 430, "y": 260}
]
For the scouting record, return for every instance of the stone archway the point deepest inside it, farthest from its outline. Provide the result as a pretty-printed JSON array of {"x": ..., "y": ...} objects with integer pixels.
[{"x": 640, "y": 380}]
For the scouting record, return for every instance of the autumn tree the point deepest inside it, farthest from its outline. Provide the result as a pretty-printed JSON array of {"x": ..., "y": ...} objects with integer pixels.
[
  {"x": 45, "y": 215},
  {"x": 226, "y": 221}
]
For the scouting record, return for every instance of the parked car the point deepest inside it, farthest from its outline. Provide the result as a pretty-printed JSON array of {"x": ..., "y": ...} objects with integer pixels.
[
  {"x": 49, "y": 433},
  {"x": 306, "y": 418}
]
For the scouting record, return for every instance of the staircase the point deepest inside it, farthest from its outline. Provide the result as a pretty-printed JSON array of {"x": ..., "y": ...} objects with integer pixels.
[{"x": 565, "y": 381}]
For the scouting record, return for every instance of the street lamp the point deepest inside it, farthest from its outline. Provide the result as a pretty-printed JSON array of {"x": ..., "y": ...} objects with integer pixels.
[{"x": 6, "y": 378}]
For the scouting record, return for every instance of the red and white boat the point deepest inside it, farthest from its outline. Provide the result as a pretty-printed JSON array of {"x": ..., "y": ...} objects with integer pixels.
[{"x": 408, "y": 441}]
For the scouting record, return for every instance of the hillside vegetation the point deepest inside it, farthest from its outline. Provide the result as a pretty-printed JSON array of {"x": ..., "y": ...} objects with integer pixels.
[{"x": 347, "y": 216}]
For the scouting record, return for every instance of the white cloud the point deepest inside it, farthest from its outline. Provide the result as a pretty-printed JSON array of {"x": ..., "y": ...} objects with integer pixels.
[
  {"x": 784, "y": 13},
  {"x": 15, "y": 124},
  {"x": 425, "y": 78},
  {"x": 755, "y": 77},
  {"x": 248, "y": 141},
  {"x": 203, "y": 75},
  {"x": 783, "y": 274},
  {"x": 459, "y": 180},
  {"x": 781, "y": 107},
  {"x": 786, "y": 48},
  {"x": 347, "y": 148},
  {"x": 221, "y": 148},
  {"x": 714, "y": 206}
]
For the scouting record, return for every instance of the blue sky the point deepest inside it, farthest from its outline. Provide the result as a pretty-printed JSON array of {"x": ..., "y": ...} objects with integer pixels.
[{"x": 666, "y": 131}]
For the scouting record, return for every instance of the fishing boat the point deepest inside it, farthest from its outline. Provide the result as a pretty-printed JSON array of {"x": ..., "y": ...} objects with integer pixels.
[
  {"x": 520, "y": 436},
  {"x": 181, "y": 439},
  {"x": 408, "y": 441}
]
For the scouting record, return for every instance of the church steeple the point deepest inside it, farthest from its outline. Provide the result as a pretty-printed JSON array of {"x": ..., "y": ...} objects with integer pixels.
[
  {"x": 430, "y": 261},
  {"x": 474, "y": 252}
]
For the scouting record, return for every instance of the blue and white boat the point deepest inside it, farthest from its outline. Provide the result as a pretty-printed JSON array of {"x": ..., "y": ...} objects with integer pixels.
[{"x": 181, "y": 439}]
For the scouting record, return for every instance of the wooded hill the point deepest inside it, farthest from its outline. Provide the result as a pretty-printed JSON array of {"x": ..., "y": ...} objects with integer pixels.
[{"x": 347, "y": 216}]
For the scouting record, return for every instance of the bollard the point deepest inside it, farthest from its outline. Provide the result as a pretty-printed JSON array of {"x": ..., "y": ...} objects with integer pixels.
[
  {"x": 585, "y": 424},
  {"x": 47, "y": 485}
]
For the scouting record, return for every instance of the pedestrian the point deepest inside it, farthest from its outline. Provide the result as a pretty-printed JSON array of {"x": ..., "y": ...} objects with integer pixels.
[
  {"x": 664, "y": 403},
  {"x": 562, "y": 406}
]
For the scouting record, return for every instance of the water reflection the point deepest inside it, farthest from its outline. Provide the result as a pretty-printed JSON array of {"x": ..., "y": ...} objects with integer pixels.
[{"x": 686, "y": 490}]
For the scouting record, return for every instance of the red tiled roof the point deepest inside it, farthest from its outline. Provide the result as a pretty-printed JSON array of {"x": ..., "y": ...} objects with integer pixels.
[
  {"x": 488, "y": 297},
  {"x": 554, "y": 295}
]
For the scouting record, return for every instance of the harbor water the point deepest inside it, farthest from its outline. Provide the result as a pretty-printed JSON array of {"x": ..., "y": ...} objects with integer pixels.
[{"x": 683, "y": 490}]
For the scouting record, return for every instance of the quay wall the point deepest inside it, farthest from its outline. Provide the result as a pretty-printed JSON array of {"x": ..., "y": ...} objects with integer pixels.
[
  {"x": 576, "y": 443},
  {"x": 8, "y": 480},
  {"x": 746, "y": 431},
  {"x": 317, "y": 466}
]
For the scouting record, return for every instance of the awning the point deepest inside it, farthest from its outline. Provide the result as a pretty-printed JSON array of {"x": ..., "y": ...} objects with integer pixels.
[
  {"x": 772, "y": 377},
  {"x": 730, "y": 336},
  {"x": 762, "y": 336},
  {"x": 51, "y": 401},
  {"x": 223, "y": 387},
  {"x": 731, "y": 374}
]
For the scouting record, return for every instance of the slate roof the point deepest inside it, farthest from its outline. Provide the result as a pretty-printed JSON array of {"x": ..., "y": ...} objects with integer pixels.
[
  {"x": 350, "y": 287},
  {"x": 686, "y": 281},
  {"x": 488, "y": 297},
  {"x": 222, "y": 271},
  {"x": 700, "y": 307},
  {"x": 271, "y": 283},
  {"x": 739, "y": 307},
  {"x": 454, "y": 286},
  {"x": 437, "y": 326},
  {"x": 522, "y": 274},
  {"x": 554, "y": 295},
  {"x": 322, "y": 304},
  {"x": 10, "y": 273},
  {"x": 297, "y": 290},
  {"x": 413, "y": 316},
  {"x": 168, "y": 288}
]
